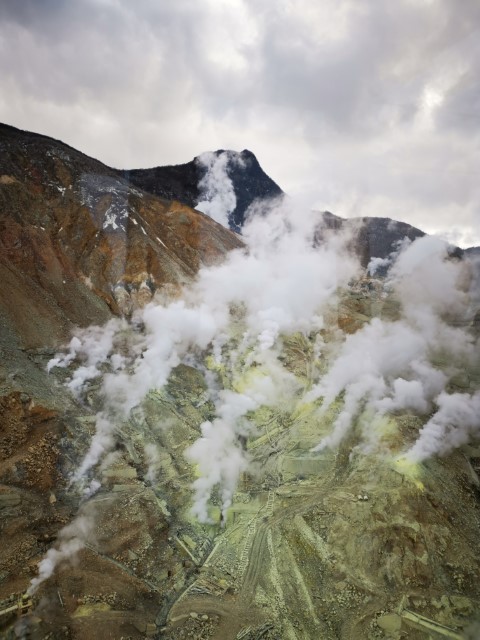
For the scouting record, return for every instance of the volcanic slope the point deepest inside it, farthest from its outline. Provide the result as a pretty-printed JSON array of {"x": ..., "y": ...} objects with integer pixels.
[
  {"x": 314, "y": 545},
  {"x": 78, "y": 242},
  {"x": 334, "y": 545}
]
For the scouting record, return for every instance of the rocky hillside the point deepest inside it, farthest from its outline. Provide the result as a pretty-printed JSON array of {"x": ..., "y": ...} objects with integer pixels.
[
  {"x": 78, "y": 242},
  {"x": 78, "y": 245},
  {"x": 372, "y": 237},
  {"x": 286, "y": 540}
]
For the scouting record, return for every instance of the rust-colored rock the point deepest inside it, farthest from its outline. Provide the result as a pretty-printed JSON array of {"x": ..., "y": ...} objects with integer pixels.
[{"x": 78, "y": 243}]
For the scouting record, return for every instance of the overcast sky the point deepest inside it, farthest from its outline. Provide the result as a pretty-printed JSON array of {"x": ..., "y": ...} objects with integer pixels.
[{"x": 362, "y": 107}]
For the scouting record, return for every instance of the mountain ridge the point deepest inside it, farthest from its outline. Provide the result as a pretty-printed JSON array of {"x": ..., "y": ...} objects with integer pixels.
[
  {"x": 180, "y": 182},
  {"x": 83, "y": 242}
]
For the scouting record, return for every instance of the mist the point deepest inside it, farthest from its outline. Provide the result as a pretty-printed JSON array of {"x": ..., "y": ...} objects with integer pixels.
[
  {"x": 281, "y": 283},
  {"x": 391, "y": 366},
  {"x": 218, "y": 198},
  {"x": 237, "y": 313}
]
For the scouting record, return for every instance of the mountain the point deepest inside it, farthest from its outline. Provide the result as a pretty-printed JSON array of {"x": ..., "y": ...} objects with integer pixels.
[
  {"x": 371, "y": 237},
  {"x": 337, "y": 543},
  {"x": 181, "y": 182},
  {"x": 473, "y": 251},
  {"x": 79, "y": 246},
  {"x": 78, "y": 242}
]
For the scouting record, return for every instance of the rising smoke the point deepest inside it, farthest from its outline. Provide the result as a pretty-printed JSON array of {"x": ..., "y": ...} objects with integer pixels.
[
  {"x": 217, "y": 195},
  {"x": 407, "y": 364},
  {"x": 279, "y": 284},
  {"x": 71, "y": 540}
]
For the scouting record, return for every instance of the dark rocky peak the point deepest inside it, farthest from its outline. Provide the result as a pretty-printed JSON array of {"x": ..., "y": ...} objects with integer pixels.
[
  {"x": 183, "y": 181},
  {"x": 378, "y": 237},
  {"x": 371, "y": 237},
  {"x": 473, "y": 251},
  {"x": 32, "y": 156},
  {"x": 250, "y": 183}
]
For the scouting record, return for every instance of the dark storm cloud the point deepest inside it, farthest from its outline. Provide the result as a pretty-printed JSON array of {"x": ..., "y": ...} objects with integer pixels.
[
  {"x": 369, "y": 107},
  {"x": 30, "y": 12}
]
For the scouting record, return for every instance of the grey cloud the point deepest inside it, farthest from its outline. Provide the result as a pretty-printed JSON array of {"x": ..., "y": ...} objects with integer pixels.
[
  {"x": 30, "y": 12},
  {"x": 331, "y": 96},
  {"x": 461, "y": 107},
  {"x": 370, "y": 78}
]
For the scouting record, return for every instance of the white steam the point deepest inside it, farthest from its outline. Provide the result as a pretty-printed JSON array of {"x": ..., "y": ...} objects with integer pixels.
[
  {"x": 218, "y": 198},
  {"x": 92, "y": 347},
  {"x": 237, "y": 313},
  {"x": 153, "y": 459},
  {"x": 218, "y": 452},
  {"x": 455, "y": 423},
  {"x": 390, "y": 366},
  {"x": 279, "y": 284},
  {"x": 71, "y": 540}
]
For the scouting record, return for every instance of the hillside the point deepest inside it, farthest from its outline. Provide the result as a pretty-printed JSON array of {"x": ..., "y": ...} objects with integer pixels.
[{"x": 77, "y": 242}]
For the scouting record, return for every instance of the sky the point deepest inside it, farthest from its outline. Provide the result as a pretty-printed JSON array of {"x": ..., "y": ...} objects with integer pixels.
[{"x": 360, "y": 107}]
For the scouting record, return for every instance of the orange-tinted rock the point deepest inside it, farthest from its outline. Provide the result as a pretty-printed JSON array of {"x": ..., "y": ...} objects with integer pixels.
[{"x": 72, "y": 233}]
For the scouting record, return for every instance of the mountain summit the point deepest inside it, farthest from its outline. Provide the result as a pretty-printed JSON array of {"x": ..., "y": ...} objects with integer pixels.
[{"x": 183, "y": 182}]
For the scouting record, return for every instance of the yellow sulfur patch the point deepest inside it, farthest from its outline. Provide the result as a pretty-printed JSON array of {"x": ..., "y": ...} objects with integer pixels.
[
  {"x": 247, "y": 381},
  {"x": 385, "y": 426},
  {"x": 410, "y": 470},
  {"x": 213, "y": 364},
  {"x": 87, "y": 610},
  {"x": 303, "y": 409}
]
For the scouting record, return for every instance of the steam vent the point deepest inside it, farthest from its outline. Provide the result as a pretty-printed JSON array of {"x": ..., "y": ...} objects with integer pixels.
[{"x": 225, "y": 417}]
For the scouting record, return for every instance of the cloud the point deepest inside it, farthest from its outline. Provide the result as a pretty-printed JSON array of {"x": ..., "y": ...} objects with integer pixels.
[
  {"x": 279, "y": 284},
  {"x": 368, "y": 109}
]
